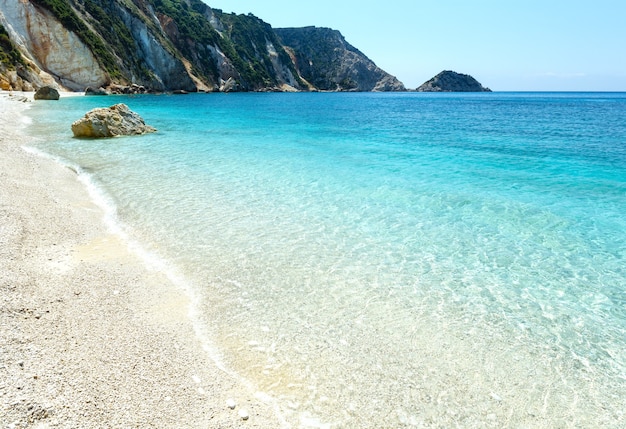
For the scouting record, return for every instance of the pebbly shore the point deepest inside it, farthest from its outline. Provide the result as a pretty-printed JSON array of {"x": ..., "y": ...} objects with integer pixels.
[{"x": 90, "y": 337}]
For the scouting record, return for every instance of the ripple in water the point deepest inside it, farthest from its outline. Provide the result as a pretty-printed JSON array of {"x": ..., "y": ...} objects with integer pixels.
[{"x": 375, "y": 260}]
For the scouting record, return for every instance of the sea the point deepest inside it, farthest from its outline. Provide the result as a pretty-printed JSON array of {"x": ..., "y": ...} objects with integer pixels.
[{"x": 384, "y": 260}]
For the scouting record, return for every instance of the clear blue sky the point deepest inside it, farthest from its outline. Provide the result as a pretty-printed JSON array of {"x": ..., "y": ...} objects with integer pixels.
[{"x": 508, "y": 45}]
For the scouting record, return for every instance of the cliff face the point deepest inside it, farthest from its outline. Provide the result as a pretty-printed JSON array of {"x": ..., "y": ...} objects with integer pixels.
[
  {"x": 172, "y": 44},
  {"x": 49, "y": 46},
  {"x": 449, "y": 81},
  {"x": 11, "y": 63},
  {"x": 327, "y": 62}
]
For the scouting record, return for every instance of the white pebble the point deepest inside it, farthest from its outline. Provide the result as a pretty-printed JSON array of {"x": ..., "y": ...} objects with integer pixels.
[
  {"x": 230, "y": 403},
  {"x": 244, "y": 414}
]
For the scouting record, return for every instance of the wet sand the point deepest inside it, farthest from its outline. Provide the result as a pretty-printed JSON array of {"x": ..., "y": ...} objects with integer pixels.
[{"x": 90, "y": 336}]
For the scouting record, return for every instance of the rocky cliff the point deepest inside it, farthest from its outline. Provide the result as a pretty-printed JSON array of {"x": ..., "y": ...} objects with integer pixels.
[
  {"x": 327, "y": 62},
  {"x": 449, "y": 81},
  {"x": 171, "y": 45}
]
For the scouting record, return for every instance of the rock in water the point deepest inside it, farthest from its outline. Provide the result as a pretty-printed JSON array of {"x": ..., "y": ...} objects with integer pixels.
[
  {"x": 46, "y": 93},
  {"x": 117, "y": 120},
  {"x": 449, "y": 81},
  {"x": 95, "y": 91}
]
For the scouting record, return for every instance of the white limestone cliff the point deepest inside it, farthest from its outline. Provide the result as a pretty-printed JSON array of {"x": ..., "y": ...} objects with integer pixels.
[{"x": 54, "y": 50}]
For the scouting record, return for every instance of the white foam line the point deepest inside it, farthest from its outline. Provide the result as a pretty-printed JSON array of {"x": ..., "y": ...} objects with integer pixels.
[
  {"x": 155, "y": 262},
  {"x": 151, "y": 260}
]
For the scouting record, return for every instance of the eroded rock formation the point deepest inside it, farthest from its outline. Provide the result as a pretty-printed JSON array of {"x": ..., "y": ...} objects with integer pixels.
[{"x": 117, "y": 120}]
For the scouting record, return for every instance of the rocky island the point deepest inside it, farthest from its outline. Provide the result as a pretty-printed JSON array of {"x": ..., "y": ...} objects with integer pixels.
[{"x": 450, "y": 81}]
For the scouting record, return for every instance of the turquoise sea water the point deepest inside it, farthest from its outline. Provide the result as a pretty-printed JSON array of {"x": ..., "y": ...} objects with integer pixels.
[{"x": 387, "y": 260}]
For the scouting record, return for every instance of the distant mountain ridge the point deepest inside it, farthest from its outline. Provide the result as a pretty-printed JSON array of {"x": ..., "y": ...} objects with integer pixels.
[
  {"x": 450, "y": 81},
  {"x": 165, "y": 45}
]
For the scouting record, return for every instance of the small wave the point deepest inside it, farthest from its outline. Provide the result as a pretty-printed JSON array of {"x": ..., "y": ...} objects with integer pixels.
[
  {"x": 151, "y": 259},
  {"x": 26, "y": 120}
]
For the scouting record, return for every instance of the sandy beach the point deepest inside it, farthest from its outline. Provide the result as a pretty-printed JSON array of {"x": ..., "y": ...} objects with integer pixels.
[{"x": 90, "y": 336}]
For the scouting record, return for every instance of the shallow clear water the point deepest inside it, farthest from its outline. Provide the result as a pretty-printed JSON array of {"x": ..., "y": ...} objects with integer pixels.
[{"x": 373, "y": 260}]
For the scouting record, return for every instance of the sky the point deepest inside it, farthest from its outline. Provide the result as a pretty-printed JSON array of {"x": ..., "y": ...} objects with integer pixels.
[{"x": 507, "y": 45}]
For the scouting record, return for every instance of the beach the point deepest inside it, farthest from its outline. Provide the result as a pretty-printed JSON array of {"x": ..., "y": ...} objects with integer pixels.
[
  {"x": 403, "y": 262},
  {"x": 91, "y": 336}
]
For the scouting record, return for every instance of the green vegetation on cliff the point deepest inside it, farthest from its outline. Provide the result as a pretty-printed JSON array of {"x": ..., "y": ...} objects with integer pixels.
[
  {"x": 450, "y": 81},
  {"x": 191, "y": 22},
  {"x": 250, "y": 37},
  {"x": 185, "y": 44},
  {"x": 244, "y": 41},
  {"x": 192, "y": 33},
  {"x": 316, "y": 51},
  {"x": 116, "y": 34},
  {"x": 328, "y": 62},
  {"x": 66, "y": 15},
  {"x": 9, "y": 55}
]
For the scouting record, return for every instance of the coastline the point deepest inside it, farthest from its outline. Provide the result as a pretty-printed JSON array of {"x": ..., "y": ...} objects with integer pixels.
[{"x": 91, "y": 337}]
